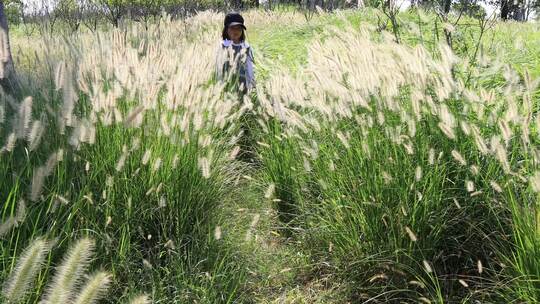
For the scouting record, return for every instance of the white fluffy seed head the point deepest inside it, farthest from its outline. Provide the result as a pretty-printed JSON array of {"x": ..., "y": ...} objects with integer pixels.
[
  {"x": 204, "y": 164},
  {"x": 36, "y": 133},
  {"x": 170, "y": 245},
  {"x": 424, "y": 300},
  {"x": 465, "y": 128},
  {"x": 307, "y": 165},
  {"x": 447, "y": 130},
  {"x": 94, "y": 289},
  {"x": 24, "y": 117},
  {"x": 234, "y": 152},
  {"x": 59, "y": 76},
  {"x": 386, "y": 177},
  {"x": 506, "y": 132},
  {"x": 475, "y": 170},
  {"x": 217, "y": 233},
  {"x": 431, "y": 156},
  {"x": 147, "y": 264},
  {"x": 62, "y": 200},
  {"x": 10, "y": 143},
  {"x": 69, "y": 273},
  {"x": 344, "y": 140},
  {"x": 142, "y": 299},
  {"x": 156, "y": 165},
  {"x": 21, "y": 211},
  {"x": 459, "y": 158},
  {"x": 535, "y": 181},
  {"x": 162, "y": 202},
  {"x": 255, "y": 220},
  {"x": 418, "y": 173},
  {"x": 496, "y": 186},
  {"x": 25, "y": 271},
  {"x": 469, "y": 185},
  {"x": 6, "y": 226},
  {"x": 411, "y": 234},
  {"x": 427, "y": 266},
  {"x": 270, "y": 191},
  {"x": 146, "y": 157},
  {"x": 480, "y": 267},
  {"x": 135, "y": 117},
  {"x": 38, "y": 179},
  {"x": 121, "y": 162}
]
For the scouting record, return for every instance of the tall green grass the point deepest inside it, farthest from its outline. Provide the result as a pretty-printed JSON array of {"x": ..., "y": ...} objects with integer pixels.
[
  {"x": 146, "y": 179},
  {"x": 382, "y": 196}
]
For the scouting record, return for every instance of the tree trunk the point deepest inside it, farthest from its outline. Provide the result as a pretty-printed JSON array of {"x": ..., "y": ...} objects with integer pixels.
[
  {"x": 8, "y": 79},
  {"x": 504, "y": 9},
  {"x": 447, "y": 6},
  {"x": 238, "y": 4}
]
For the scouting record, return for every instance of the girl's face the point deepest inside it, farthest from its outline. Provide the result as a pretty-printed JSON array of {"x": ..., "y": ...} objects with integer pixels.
[{"x": 235, "y": 33}]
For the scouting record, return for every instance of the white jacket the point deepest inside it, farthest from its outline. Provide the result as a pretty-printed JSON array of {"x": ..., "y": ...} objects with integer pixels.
[{"x": 222, "y": 55}]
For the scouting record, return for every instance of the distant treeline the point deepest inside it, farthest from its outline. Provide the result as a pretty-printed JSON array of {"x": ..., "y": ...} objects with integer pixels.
[{"x": 91, "y": 13}]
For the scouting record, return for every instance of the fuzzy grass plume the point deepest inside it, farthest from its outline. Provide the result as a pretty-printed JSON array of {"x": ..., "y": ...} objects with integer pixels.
[
  {"x": 142, "y": 299},
  {"x": 27, "y": 268},
  {"x": 94, "y": 289},
  {"x": 68, "y": 275}
]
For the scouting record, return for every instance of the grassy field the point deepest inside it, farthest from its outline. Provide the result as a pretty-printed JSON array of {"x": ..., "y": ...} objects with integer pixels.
[{"x": 378, "y": 172}]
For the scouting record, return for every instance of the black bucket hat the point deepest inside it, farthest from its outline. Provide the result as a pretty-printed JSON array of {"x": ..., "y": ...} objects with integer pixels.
[{"x": 233, "y": 19}]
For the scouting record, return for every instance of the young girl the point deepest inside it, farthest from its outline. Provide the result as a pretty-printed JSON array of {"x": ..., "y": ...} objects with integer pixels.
[{"x": 234, "y": 62}]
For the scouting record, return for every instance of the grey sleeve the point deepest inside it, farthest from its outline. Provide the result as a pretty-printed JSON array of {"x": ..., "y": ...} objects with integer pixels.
[{"x": 250, "y": 71}]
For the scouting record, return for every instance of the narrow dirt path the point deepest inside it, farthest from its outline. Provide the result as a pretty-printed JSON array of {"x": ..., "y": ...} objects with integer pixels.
[{"x": 278, "y": 270}]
